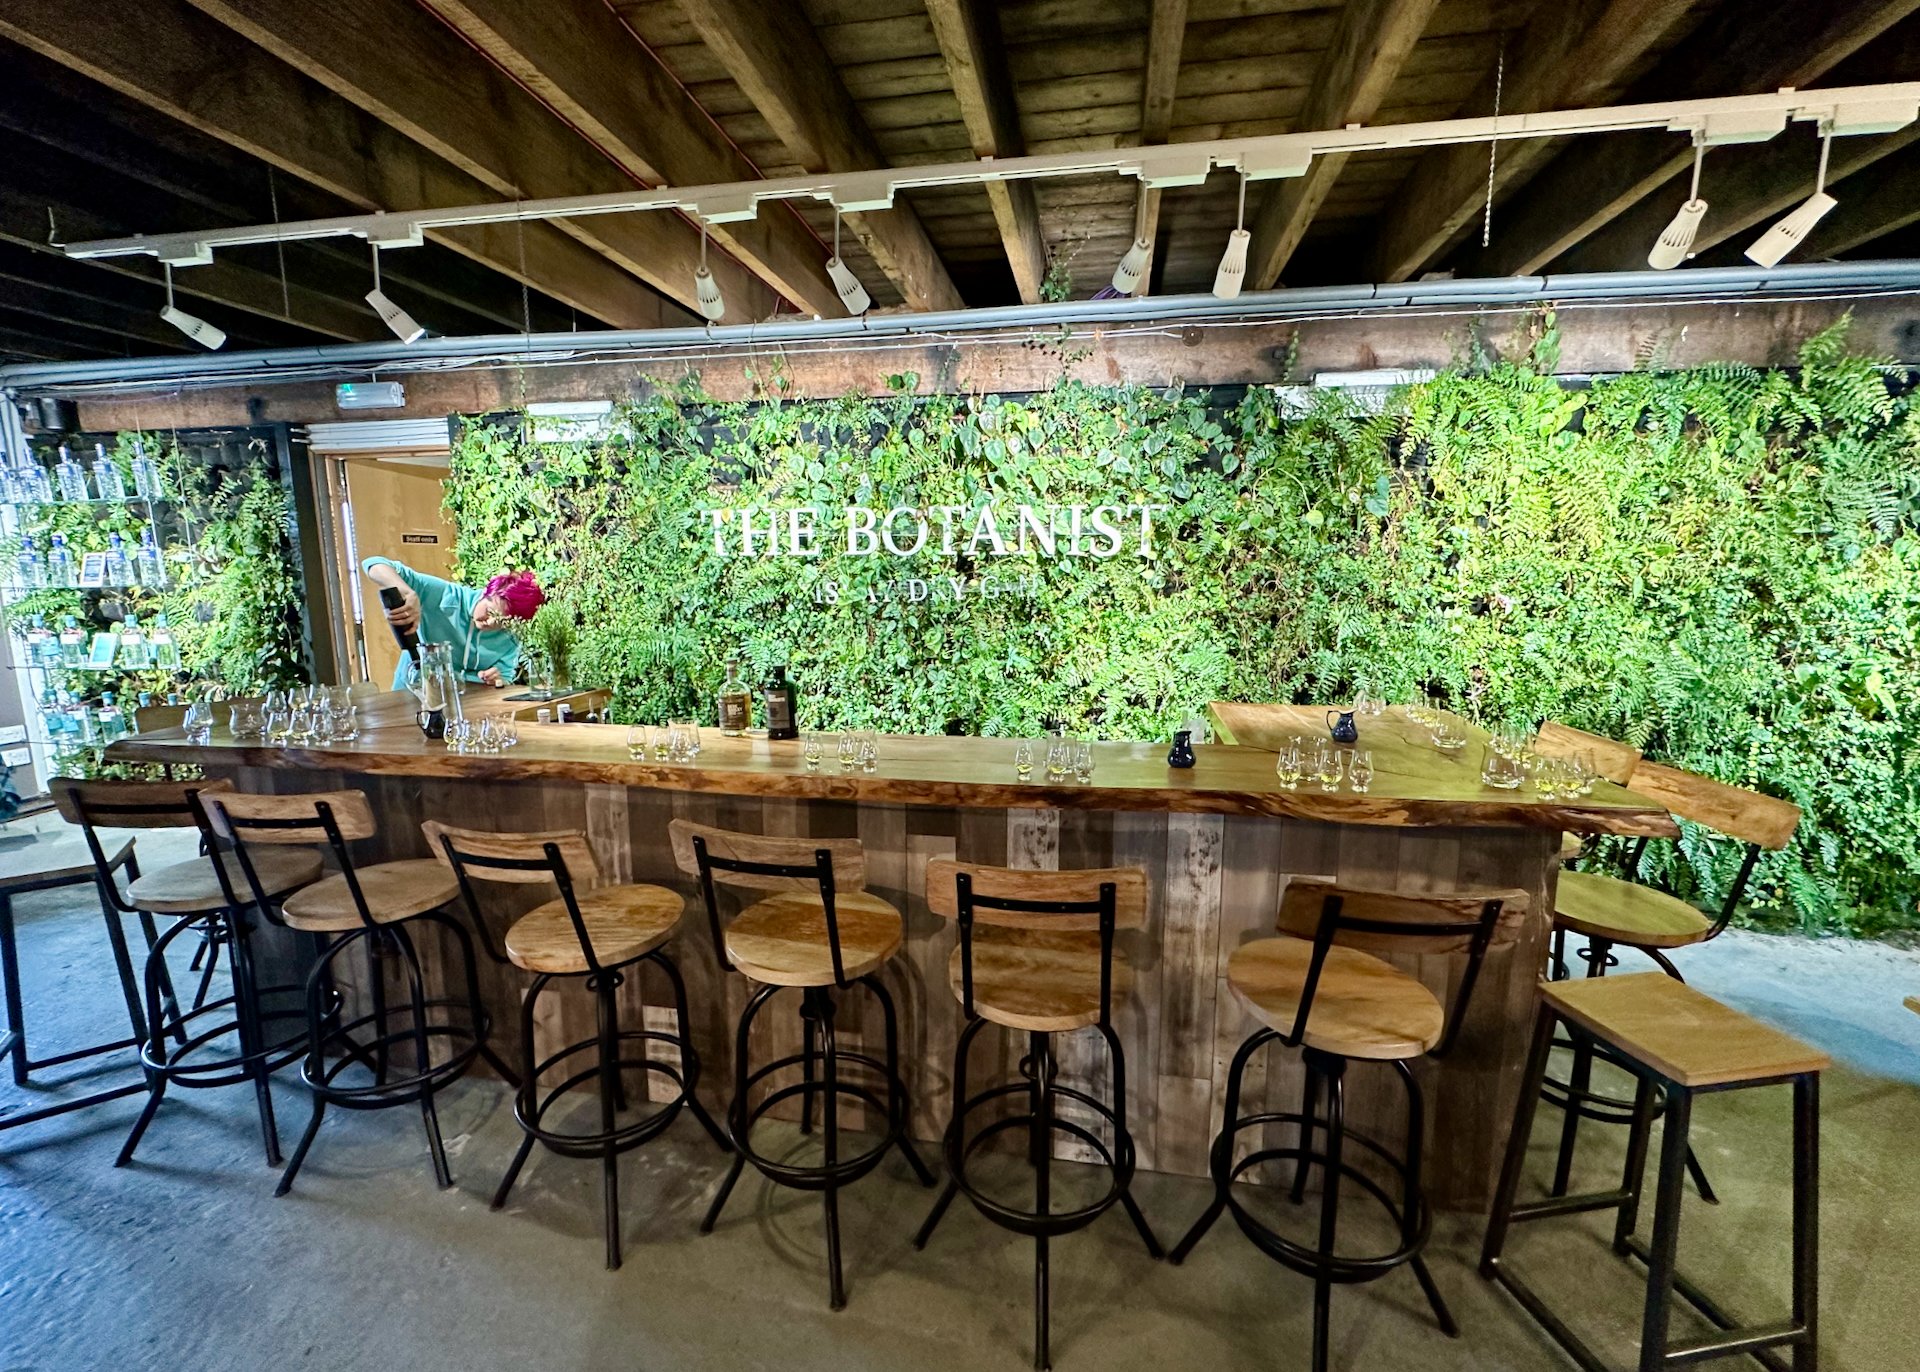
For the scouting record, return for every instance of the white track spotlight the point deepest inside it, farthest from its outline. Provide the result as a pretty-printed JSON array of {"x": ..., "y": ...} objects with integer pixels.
[
  {"x": 1233, "y": 264},
  {"x": 1792, "y": 228},
  {"x": 1675, "y": 244},
  {"x": 191, "y": 325},
  {"x": 852, "y": 294},
  {"x": 405, "y": 327},
  {"x": 1127, "y": 276},
  {"x": 706, "y": 291}
]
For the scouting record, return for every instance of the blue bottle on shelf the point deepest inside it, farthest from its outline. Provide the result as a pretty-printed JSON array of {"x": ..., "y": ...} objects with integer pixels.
[
  {"x": 106, "y": 475},
  {"x": 146, "y": 475},
  {"x": 60, "y": 570},
  {"x": 73, "y": 477},
  {"x": 119, "y": 568},
  {"x": 148, "y": 569},
  {"x": 33, "y": 567}
]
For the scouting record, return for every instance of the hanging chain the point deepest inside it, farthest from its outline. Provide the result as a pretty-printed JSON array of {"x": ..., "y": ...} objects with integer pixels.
[{"x": 1493, "y": 144}]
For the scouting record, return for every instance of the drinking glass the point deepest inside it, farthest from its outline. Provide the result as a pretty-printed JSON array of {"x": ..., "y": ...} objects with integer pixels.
[
  {"x": 346, "y": 723},
  {"x": 847, "y": 748},
  {"x": 244, "y": 722},
  {"x": 300, "y": 724},
  {"x": 339, "y": 698},
  {"x": 1585, "y": 773},
  {"x": 1326, "y": 766},
  {"x": 198, "y": 722},
  {"x": 509, "y": 731},
  {"x": 1360, "y": 769},
  {"x": 276, "y": 700},
  {"x": 1449, "y": 733},
  {"x": 1059, "y": 759},
  {"x": 1023, "y": 760},
  {"x": 637, "y": 742},
  {"x": 1083, "y": 761},
  {"x": 812, "y": 748},
  {"x": 1289, "y": 764},
  {"x": 487, "y": 737},
  {"x": 1500, "y": 769},
  {"x": 689, "y": 738},
  {"x": 869, "y": 752},
  {"x": 277, "y": 724},
  {"x": 322, "y": 726}
]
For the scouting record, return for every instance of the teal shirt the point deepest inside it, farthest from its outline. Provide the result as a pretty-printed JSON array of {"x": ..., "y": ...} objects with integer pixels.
[{"x": 446, "y": 616}]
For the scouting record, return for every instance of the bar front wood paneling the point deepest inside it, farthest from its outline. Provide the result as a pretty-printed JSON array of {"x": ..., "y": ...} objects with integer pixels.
[{"x": 1217, "y": 844}]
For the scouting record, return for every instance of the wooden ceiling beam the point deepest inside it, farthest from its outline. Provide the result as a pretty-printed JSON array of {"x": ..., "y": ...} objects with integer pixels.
[
  {"x": 417, "y": 76},
  {"x": 1370, "y": 45},
  {"x": 169, "y": 57},
  {"x": 1886, "y": 201},
  {"x": 24, "y": 296},
  {"x": 1572, "y": 53},
  {"x": 1166, "y": 37},
  {"x": 1598, "y": 179},
  {"x": 772, "y": 52},
  {"x": 586, "y": 64},
  {"x": 968, "y": 32}
]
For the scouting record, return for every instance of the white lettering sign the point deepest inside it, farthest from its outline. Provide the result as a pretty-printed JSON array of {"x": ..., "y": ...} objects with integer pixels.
[{"x": 978, "y": 531}]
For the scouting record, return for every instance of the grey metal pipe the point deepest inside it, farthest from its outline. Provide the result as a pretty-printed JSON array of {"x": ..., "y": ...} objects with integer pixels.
[{"x": 349, "y": 360}]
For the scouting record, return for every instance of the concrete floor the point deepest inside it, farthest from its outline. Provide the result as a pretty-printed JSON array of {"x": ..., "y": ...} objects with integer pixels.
[{"x": 187, "y": 1260}]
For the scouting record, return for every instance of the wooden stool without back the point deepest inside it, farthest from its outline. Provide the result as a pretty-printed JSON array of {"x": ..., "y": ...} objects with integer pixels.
[
  {"x": 599, "y": 933},
  {"x": 1679, "y": 1044},
  {"x": 815, "y": 929},
  {"x": 1325, "y": 990},
  {"x": 1036, "y": 954}
]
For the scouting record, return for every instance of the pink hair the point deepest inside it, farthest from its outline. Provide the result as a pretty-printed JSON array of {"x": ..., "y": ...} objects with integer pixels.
[{"x": 518, "y": 591}]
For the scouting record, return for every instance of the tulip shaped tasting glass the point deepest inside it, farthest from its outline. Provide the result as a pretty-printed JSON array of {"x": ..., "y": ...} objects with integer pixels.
[
  {"x": 813, "y": 748},
  {"x": 1023, "y": 760},
  {"x": 1360, "y": 769},
  {"x": 1288, "y": 766}
]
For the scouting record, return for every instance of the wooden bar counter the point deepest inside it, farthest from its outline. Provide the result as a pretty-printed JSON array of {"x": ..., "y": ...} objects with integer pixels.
[{"x": 1217, "y": 842}]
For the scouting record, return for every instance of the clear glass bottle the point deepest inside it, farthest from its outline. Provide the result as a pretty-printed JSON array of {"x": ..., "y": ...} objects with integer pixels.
[
  {"x": 36, "y": 486},
  {"x": 777, "y": 706},
  {"x": 73, "y": 477},
  {"x": 146, "y": 474},
  {"x": 736, "y": 702},
  {"x": 73, "y": 644},
  {"x": 119, "y": 567},
  {"x": 60, "y": 568},
  {"x": 132, "y": 649},
  {"x": 148, "y": 569},
  {"x": 161, "y": 649},
  {"x": 113, "y": 723},
  {"x": 106, "y": 475},
  {"x": 43, "y": 649},
  {"x": 32, "y": 567}
]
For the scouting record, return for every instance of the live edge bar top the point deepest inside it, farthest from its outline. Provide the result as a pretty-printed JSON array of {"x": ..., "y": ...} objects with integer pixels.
[{"x": 1415, "y": 784}]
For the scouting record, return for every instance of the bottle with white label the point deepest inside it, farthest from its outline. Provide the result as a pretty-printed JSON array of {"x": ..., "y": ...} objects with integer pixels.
[
  {"x": 35, "y": 486},
  {"x": 73, "y": 644},
  {"x": 162, "y": 651},
  {"x": 148, "y": 569},
  {"x": 32, "y": 567},
  {"x": 112, "y": 724},
  {"x": 119, "y": 567},
  {"x": 146, "y": 474},
  {"x": 73, "y": 477},
  {"x": 60, "y": 568},
  {"x": 106, "y": 475},
  {"x": 736, "y": 702},
  {"x": 43, "y": 649},
  {"x": 132, "y": 649}
]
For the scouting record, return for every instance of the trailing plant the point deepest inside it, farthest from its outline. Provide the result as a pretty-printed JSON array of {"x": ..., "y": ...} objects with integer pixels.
[{"x": 1721, "y": 564}]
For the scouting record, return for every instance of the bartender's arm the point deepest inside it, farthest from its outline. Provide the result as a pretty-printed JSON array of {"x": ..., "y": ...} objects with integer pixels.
[{"x": 383, "y": 572}]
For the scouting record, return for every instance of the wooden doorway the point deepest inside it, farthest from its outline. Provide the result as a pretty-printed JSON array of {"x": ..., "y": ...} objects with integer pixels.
[{"x": 389, "y": 505}]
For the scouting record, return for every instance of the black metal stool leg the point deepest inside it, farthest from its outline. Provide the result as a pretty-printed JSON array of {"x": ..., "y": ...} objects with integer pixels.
[
  {"x": 417, "y": 994},
  {"x": 122, "y": 966},
  {"x": 1310, "y": 1093},
  {"x": 689, "y": 1059},
  {"x": 377, "y": 993},
  {"x": 822, "y": 1003},
  {"x": 1220, "y": 1157},
  {"x": 807, "y": 1052},
  {"x": 1040, "y": 1051},
  {"x": 319, "y": 980},
  {"x": 1633, "y": 1175},
  {"x": 953, "y": 1144},
  {"x": 610, "y": 1100},
  {"x": 210, "y": 945},
  {"x": 253, "y": 1040},
  {"x": 1501, "y": 1217},
  {"x": 16, "y": 1035},
  {"x": 528, "y": 1095},
  {"x": 896, "y": 1089},
  {"x": 1663, "y": 1250},
  {"x": 1413, "y": 1201},
  {"x": 156, "y": 1050},
  {"x": 1118, "y": 1060},
  {"x": 1329, "y": 1209},
  {"x": 737, "y": 1114},
  {"x": 1806, "y": 1219},
  {"x": 1579, "y": 1082}
]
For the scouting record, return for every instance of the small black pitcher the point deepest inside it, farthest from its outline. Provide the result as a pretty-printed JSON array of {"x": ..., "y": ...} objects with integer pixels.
[
  {"x": 1181, "y": 754},
  {"x": 1340, "y": 724}
]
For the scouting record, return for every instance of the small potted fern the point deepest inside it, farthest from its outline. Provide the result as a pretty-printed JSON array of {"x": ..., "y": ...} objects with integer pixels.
[{"x": 546, "y": 645}]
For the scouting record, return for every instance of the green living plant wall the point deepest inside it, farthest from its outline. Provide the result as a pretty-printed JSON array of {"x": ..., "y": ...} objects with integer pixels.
[{"x": 1720, "y": 564}]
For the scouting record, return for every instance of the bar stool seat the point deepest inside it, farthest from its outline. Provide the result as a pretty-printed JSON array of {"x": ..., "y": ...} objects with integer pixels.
[
  {"x": 782, "y": 940},
  {"x": 1626, "y": 912},
  {"x": 193, "y": 887},
  {"x": 622, "y": 922},
  {"x": 393, "y": 891},
  {"x": 1038, "y": 980},
  {"x": 1363, "y": 1006}
]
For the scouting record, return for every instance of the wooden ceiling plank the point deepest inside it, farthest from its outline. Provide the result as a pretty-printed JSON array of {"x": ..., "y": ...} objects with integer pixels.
[
  {"x": 968, "y": 32},
  {"x": 585, "y": 64},
  {"x": 1594, "y": 181},
  {"x": 1166, "y": 38},
  {"x": 1869, "y": 211},
  {"x": 173, "y": 59},
  {"x": 773, "y": 52},
  {"x": 1573, "y": 53},
  {"x": 1370, "y": 46},
  {"x": 421, "y": 79}
]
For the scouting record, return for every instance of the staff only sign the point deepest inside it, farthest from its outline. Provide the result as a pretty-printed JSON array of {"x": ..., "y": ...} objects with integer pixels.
[{"x": 976, "y": 531}]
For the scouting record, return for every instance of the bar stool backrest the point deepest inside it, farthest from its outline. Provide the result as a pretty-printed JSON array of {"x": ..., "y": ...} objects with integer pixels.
[
  {"x": 333, "y": 818},
  {"x": 769, "y": 862},
  {"x": 561, "y": 857},
  {"x": 1759, "y": 821},
  {"x": 1100, "y": 900},
  {"x": 1612, "y": 759},
  {"x": 131, "y": 805},
  {"x": 1458, "y": 923}
]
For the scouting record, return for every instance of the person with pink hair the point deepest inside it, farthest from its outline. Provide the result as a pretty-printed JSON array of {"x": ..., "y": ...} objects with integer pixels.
[{"x": 473, "y": 622}]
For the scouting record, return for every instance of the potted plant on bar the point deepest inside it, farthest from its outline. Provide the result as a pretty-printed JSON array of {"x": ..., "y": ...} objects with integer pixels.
[{"x": 546, "y": 647}]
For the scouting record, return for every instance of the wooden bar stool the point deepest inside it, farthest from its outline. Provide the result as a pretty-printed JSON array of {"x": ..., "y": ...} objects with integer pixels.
[
  {"x": 598, "y": 933},
  {"x": 1679, "y": 1043},
  {"x": 818, "y": 930},
  {"x": 1036, "y": 954},
  {"x": 1611, "y": 912},
  {"x": 49, "y": 865},
  {"x": 1323, "y": 990},
  {"x": 204, "y": 896},
  {"x": 366, "y": 907}
]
